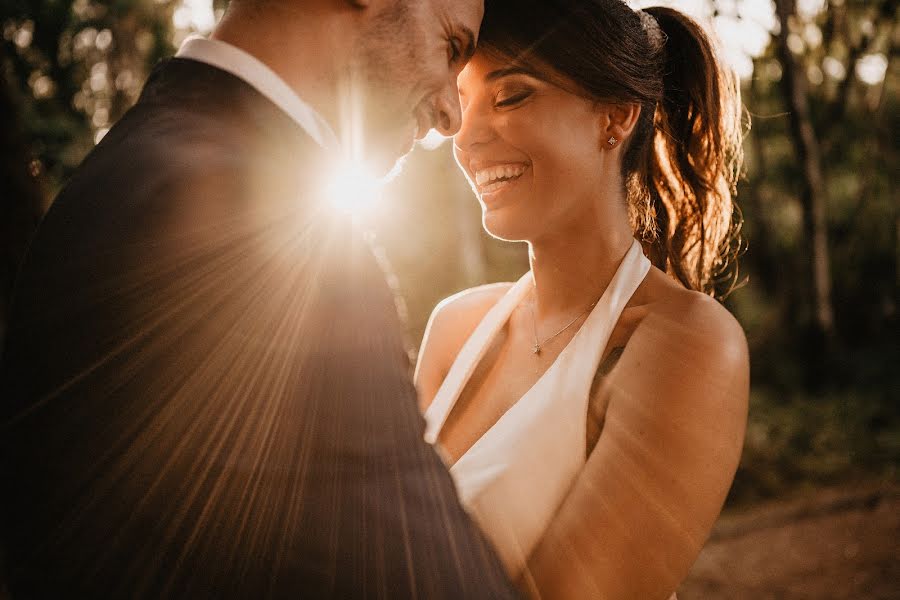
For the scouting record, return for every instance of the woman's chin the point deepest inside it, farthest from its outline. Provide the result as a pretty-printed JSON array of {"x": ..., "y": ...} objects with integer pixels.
[{"x": 502, "y": 227}]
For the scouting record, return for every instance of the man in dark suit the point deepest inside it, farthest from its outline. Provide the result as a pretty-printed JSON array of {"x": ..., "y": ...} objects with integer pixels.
[{"x": 205, "y": 392}]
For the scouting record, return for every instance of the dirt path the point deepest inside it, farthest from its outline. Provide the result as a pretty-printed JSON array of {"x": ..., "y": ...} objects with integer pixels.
[{"x": 839, "y": 544}]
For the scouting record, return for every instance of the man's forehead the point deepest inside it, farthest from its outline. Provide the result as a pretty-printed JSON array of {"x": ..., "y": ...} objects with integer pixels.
[{"x": 466, "y": 13}]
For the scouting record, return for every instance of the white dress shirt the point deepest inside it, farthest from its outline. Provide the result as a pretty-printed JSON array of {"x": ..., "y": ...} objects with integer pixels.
[{"x": 247, "y": 67}]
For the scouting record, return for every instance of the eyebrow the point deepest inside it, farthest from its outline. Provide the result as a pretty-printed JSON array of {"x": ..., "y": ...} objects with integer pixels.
[{"x": 507, "y": 72}]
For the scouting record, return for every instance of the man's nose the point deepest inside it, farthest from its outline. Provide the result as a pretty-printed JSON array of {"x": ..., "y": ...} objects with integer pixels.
[{"x": 448, "y": 113}]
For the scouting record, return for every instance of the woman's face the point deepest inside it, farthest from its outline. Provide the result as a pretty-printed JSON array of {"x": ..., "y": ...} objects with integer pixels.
[{"x": 529, "y": 148}]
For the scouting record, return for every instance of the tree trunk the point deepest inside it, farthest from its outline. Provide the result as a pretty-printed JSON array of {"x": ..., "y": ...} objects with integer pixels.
[
  {"x": 794, "y": 88},
  {"x": 760, "y": 199}
]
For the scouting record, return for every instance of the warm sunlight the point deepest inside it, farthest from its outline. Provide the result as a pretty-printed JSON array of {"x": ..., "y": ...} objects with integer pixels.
[
  {"x": 353, "y": 188},
  {"x": 433, "y": 140},
  {"x": 743, "y": 27},
  {"x": 197, "y": 15}
]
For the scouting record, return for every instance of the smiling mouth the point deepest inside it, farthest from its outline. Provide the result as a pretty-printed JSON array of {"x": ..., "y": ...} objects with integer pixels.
[{"x": 496, "y": 178}]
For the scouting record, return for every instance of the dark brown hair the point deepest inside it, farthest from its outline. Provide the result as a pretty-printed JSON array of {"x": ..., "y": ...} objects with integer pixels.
[{"x": 682, "y": 160}]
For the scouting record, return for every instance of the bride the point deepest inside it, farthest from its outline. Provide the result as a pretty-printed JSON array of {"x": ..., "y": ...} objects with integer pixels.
[{"x": 593, "y": 412}]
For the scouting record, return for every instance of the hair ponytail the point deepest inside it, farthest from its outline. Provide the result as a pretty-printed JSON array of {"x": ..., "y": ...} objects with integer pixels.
[{"x": 694, "y": 158}]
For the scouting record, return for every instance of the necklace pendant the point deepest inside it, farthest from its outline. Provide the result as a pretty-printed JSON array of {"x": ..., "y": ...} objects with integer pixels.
[{"x": 536, "y": 349}]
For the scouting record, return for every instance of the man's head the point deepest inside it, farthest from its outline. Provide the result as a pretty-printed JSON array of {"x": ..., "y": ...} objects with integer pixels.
[
  {"x": 404, "y": 69},
  {"x": 383, "y": 72}
]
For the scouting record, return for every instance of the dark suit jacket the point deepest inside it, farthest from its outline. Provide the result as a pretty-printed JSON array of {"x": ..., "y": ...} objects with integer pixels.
[{"x": 205, "y": 392}]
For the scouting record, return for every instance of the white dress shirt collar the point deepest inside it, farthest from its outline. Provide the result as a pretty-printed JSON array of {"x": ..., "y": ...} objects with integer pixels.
[{"x": 253, "y": 71}]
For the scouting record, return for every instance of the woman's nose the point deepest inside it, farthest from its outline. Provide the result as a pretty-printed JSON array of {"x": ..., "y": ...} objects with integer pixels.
[{"x": 474, "y": 129}]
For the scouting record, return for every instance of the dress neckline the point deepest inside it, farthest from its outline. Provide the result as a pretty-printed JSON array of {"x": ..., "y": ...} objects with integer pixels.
[{"x": 473, "y": 351}]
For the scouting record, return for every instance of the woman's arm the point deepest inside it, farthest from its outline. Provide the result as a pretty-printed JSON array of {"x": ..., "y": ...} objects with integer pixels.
[{"x": 642, "y": 508}]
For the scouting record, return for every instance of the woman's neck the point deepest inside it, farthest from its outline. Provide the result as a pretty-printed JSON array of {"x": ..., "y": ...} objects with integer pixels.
[{"x": 573, "y": 268}]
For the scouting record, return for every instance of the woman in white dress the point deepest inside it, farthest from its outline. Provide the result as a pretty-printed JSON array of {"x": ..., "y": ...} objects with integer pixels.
[{"x": 593, "y": 413}]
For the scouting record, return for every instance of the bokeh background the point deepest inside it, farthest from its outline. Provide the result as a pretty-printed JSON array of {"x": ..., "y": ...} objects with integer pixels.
[{"x": 814, "y": 508}]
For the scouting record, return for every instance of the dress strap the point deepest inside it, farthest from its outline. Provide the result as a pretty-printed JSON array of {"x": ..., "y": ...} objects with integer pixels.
[
  {"x": 581, "y": 357},
  {"x": 469, "y": 357}
]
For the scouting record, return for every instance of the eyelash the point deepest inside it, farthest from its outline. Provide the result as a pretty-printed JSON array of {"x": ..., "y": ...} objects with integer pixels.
[
  {"x": 512, "y": 100},
  {"x": 455, "y": 51}
]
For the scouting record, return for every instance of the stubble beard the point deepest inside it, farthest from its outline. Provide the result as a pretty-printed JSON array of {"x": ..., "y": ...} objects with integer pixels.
[{"x": 380, "y": 83}]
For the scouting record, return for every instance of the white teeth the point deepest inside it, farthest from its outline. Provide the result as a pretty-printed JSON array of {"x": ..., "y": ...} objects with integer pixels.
[{"x": 490, "y": 174}]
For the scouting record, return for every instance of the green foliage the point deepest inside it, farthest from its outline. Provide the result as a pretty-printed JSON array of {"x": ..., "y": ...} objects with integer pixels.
[
  {"x": 823, "y": 409},
  {"x": 75, "y": 67},
  {"x": 797, "y": 440}
]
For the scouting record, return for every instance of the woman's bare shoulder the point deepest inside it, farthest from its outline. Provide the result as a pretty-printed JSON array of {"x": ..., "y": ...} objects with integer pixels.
[
  {"x": 455, "y": 318},
  {"x": 471, "y": 303},
  {"x": 687, "y": 351},
  {"x": 703, "y": 328},
  {"x": 699, "y": 325},
  {"x": 450, "y": 325}
]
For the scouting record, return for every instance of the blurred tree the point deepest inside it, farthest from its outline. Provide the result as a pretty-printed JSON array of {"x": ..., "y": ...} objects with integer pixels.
[
  {"x": 70, "y": 69},
  {"x": 806, "y": 144},
  {"x": 22, "y": 196},
  {"x": 841, "y": 59},
  {"x": 822, "y": 412}
]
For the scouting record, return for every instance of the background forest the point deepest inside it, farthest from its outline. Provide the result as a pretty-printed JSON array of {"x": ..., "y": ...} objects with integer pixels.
[{"x": 818, "y": 298}]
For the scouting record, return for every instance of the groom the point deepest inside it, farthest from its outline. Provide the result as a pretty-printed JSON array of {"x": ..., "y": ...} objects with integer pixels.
[{"x": 205, "y": 392}]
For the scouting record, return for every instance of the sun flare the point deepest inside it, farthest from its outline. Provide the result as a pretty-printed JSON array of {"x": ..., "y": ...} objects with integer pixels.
[{"x": 354, "y": 188}]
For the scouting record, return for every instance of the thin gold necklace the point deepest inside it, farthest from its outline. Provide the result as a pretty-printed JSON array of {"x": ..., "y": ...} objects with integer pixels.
[{"x": 536, "y": 348}]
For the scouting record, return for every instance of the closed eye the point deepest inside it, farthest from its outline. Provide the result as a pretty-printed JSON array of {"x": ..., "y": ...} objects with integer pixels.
[
  {"x": 454, "y": 50},
  {"x": 513, "y": 99}
]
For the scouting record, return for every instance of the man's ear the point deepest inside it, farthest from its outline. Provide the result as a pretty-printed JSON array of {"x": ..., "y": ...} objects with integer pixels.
[{"x": 617, "y": 122}]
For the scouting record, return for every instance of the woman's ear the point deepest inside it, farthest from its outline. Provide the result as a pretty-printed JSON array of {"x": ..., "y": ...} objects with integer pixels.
[{"x": 617, "y": 122}]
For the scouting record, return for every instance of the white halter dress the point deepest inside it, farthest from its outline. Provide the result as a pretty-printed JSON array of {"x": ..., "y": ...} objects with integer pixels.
[{"x": 514, "y": 478}]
